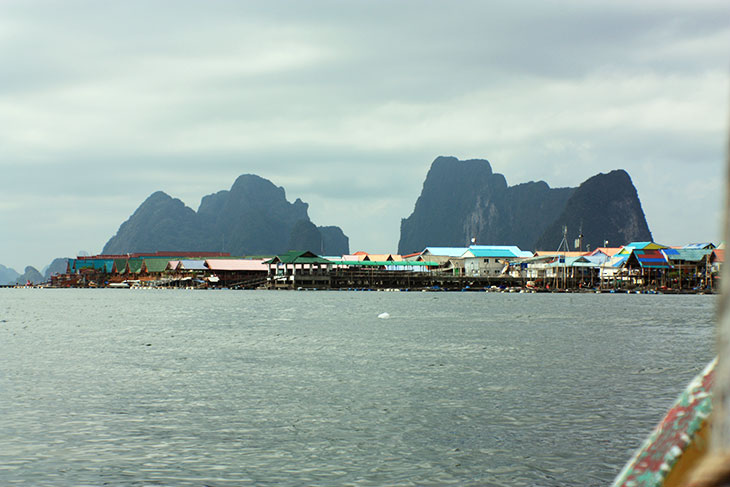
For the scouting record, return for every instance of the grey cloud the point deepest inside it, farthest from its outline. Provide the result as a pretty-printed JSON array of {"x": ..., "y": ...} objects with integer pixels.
[{"x": 346, "y": 104}]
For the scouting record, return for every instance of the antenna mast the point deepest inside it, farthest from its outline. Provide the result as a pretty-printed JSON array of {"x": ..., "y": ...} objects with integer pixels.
[{"x": 562, "y": 249}]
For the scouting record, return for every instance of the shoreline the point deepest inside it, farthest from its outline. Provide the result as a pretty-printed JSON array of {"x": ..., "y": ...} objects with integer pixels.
[{"x": 510, "y": 290}]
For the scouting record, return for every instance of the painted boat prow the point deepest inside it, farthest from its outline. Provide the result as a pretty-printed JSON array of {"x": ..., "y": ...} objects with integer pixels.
[{"x": 678, "y": 443}]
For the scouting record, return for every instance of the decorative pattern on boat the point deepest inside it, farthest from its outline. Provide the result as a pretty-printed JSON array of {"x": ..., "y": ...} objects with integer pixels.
[{"x": 661, "y": 452}]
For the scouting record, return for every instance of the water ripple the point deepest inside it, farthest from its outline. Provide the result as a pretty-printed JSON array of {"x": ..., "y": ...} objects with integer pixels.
[{"x": 256, "y": 388}]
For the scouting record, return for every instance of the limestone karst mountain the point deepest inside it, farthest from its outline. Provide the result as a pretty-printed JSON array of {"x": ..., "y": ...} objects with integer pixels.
[
  {"x": 462, "y": 200},
  {"x": 252, "y": 218}
]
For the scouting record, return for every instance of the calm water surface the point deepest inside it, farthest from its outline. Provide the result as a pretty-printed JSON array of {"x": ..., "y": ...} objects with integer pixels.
[{"x": 222, "y": 388}]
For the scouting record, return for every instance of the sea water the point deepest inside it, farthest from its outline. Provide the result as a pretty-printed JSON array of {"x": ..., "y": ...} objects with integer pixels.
[{"x": 223, "y": 388}]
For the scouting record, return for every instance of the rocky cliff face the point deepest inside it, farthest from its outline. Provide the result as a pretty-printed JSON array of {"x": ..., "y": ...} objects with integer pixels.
[
  {"x": 605, "y": 207},
  {"x": 335, "y": 241},
  {"x": 160, "y": 223},
  {"x": 462, "y": 200},
  {"x": 252, "y": 218}
]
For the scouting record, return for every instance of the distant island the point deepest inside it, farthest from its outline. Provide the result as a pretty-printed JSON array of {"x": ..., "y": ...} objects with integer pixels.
[
  {"x": 461, "y": 203},
  {"x": 465, "y": 200},
  {"x": 252, "y": 218}
]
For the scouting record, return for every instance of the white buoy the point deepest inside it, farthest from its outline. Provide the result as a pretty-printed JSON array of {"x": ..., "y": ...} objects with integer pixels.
[{"x": 384, "y": 316}]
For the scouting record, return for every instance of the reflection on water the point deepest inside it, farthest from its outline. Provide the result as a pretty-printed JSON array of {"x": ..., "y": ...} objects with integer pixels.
[{"x": 125, "y": 387}]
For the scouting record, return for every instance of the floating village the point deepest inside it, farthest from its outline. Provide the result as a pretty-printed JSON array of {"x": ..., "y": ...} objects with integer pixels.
[{"x": 638, "y": 267}]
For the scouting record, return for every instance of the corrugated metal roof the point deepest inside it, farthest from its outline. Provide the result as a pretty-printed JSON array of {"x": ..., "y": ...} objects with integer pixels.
[
  {"x": 191, "y": 265},
  {"x": 120, "y": 266},
  {"x": 700, "y": 246},
  {"x": 409, "y": 265},
  {"x": 236, "y": 265},
  {"x": 569, "y": 253},
  {"x": 595, "y": 259},
  {"x": 497, "y": 251},
  {"x": 579, "y": 261},
  {"x": 617, "y": 261},
  {"x": 353, "y": 258},
  {"x": 524, "y": 254},
  {"x": 83, "y": 264},
  {"x": 388, "y": 263},
  {"x": 638, "y": 245},
  {"x": 445, "y": 251},
  {"x": 156, "y": 265},
  {"x": 645, "y": 246},
  {"x": 135, "y": 266},
  {"x": 103, "y": 265},
  {"x": 609, "y": 251},
  {"x": 687, "y": 255},
  {"x": 652, "y": 259}
]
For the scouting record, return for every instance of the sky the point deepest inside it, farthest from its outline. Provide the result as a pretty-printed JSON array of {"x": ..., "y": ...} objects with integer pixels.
[{"x": 346, "y": 103}]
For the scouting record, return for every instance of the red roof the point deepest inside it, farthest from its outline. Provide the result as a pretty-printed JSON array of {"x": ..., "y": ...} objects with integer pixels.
[
  {"x": 651, "y": 258},
  {"x": 154, "y": 254}
]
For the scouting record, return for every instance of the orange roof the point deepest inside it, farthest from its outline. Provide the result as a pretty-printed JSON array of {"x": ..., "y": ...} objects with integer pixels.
[{"x": 718, "y": 255}]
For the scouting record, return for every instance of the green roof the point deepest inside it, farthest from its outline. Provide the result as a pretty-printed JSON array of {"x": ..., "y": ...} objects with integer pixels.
[
  {"x": 135, "y": 266},
  {"x": 120, "y": 265},
  {"x": 156, "y": 264}
]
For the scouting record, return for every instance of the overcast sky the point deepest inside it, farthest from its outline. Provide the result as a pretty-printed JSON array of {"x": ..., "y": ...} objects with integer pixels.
[{"x": 346, "y": 104}]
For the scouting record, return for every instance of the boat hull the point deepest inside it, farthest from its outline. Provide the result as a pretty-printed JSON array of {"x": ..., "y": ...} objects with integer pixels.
[{"x": 678, "y": 443}]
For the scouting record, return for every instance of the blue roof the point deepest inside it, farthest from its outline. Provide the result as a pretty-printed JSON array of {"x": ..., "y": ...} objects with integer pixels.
[
  {"x": 503, "y": 251},
  {"x": 492, "y": 253},
  {"x": 508, "y": 251},
  {"x": 104, "y": 265},
  {"x": 83, "y": 264},
  {"x": 638, "y": 245}
]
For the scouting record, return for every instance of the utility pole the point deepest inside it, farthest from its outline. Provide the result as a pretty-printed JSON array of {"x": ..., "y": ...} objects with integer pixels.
[{"x": 563, "y": 247}]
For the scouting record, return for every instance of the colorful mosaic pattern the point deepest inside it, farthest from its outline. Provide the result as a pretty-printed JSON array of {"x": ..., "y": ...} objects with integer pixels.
[{"x": 659, "y": 454}]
